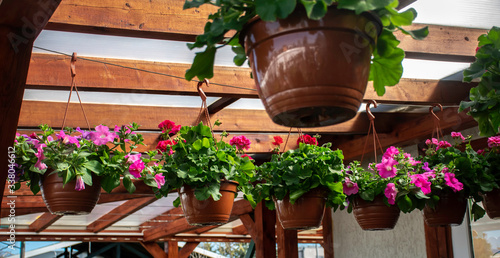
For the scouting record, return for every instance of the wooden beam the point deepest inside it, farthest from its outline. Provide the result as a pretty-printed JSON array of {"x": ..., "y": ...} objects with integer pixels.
[
  {"x": 181, "y": 225},
  {"x": 408, "y": 133},
  {"x": 287, "y": 242},
  {"x": 265, "y": 231},
  {"x": 328, "y": 233},
  {"x": 168, "y": 216},
  {"x": 172, "y": 249},
  {"x": 119, "y": 213},
  {"x": 220, "y": 104},
  {"x": 240, "y": 230},
  {"x": 93, "y": 76},
  {"x": 154, "y": 249},
  {"x": 187, "y": 249},
  {"x": 20, "y": 23},
  {"x": 44, "y": 221},
  {"x": 34, "y": 113},
  {"x": 438, "y": 241},
  {"x": 249, "y": 225}
]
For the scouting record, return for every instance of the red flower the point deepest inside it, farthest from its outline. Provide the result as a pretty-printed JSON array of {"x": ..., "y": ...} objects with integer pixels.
[
  {"x": 307, "y": 139},
  {"x": 245, "y": 155},
  {"x": 241, "y": 142},
  {"x": 163, "y": 146},
  {"x": 277, "y": 140},
  {"x": 169, "y": 127}
]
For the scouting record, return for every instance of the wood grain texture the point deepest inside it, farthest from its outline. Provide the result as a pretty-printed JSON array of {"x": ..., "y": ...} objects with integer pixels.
[
  {"x": 154, "y": 249},
  {"x": 44, "y": 221}
]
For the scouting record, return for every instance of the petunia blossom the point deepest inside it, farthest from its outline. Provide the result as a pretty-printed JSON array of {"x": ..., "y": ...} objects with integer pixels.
[
  {"x": 85, "y": 134},
  {"x": 241, "y": 142},
  {"x": 307, "y": 139},
  {"x": 68, "y": 139},
  {"x": 102, "y": 135},
  {"x": 80, "y": 185},
  {"x": 386, "y": 168},
  {"x": 131, "y": 158},
  {"x": 136, "y": 168},
  {"x": 350, "y": 187},
  {"x": 160, "y": 180},
  {"x": 390, "y": 152},
  {"x": 390, "y": 192},
  {"x": 452, "y": 182},
  {"x": 422, "y": 182},
  {"x": 494, "y": 141},
  {"x": 277, "y": 140}
]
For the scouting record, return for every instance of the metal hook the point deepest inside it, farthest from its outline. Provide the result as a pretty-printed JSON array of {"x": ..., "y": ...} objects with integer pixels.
[
  {"x": 368, "y": 111},
  {"x": 72, "y": 65},
  {"x": 431, "y": 110},
  {"x": 200, "y": 91}
]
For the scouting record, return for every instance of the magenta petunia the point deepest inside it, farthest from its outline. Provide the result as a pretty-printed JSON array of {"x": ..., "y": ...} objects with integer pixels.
[
  {"x": 350, "y": 187},
  {"x": 386, "y": 168},
  {"x": 131, "y": 158},
  {"x": 80, "y": 185},
  {"x": 421, "y": 181},
  {"x": 494, "y": 141},
  {"x": 241, "y": 142},
  {"x": 160, "y": 180},
  {"x": 452, "y": 182},
  {"x": 136, "y": 168},
  {"x": 67, "y": 139},
  {"x": 390, "y": 152},
  {"x": 102, "y": 135},
  {"x": 390, "y": 192}
]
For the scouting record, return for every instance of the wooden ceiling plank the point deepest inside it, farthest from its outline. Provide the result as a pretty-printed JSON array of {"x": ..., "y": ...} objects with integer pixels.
[
  {"x": 172, "y": 214},
  {"x": 44, "y": 221},
  {"x": 119, "y": 213},
  {"x": 94, "y": 76},
  {"x": 34, "y": 113}
]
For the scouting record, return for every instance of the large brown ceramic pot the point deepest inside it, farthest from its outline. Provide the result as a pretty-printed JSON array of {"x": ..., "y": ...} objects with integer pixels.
[
  {"x": 450, "y": 210},
  {"x": 491, "y": 203},
  {"x": 305, "y": 213},
  {"x": 66, "y": 200},
  {"x": 311, "y": 73},
  {"x": 208, "y": 212},
  {"x": 375, "y": 215}
]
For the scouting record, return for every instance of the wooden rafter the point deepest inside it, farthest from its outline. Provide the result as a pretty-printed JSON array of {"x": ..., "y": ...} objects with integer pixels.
[
  {"x": 154, "y": 249},
  {"x": 187, "y": 249},
  {"x": 44, "y": 221}
]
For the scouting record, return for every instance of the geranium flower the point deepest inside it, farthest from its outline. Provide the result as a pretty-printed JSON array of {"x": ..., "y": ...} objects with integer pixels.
[
  {"x": 102, "y": 135},
  {"x": 241, "y": 142},
  {"x": 390, "y": 192},
  {"x": 160, "y": 180},
  {"x": 494, "y": 141},
  {"x": 452, "y": 182},
  {"x": 480, "y": 152},
  {"x": 457, "y": 135},
  {"x": 307, "y": 139},
  {"x": 67, "y": 139},
  {"x": 277, "y": 140},
  {"x": 164, "y": 145},
  {"x": 136, "y": 168},
  {"x": 350, "y": 187},
  {"x": 443, "y": 145},
  {"x": 390, "y": 152},
  {"x": 245, "y": 155},
  {"x": 386, "y": 168},
  {"x": 169, "y": 127},
  {"x": 421, "y": 181},
  {"x": 80, "y": 185}
]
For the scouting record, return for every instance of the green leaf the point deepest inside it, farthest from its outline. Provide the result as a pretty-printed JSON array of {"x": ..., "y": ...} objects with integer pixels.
[
  {"x": 360, "y": 6},
  {"x": 403, "y": 19},
  {"x": 405, "y": 204},
  {"x": 203, "y": 65},
  {"x": 477, "y": 211},
  {"x": 87, "y": 177},
  {"x": 387, "y": 70},
  {"x": 294, "y": 195},
  {"x": 240, "y": 57},
  {"x": 177, "y": 202},
  {"x": 197, "y": 144},
  {"x": 418, "y": 34},
  {"x": 205, "y": 143},
  {"x": 194, "y": 3},
  {"x": 269, "y": 10},
  {"x": 129, "y": 185},
  {"x": 94, "y": 166}
]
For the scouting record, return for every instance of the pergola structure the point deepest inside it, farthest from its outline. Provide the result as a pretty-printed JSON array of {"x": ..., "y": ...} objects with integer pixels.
[{"x": 20, "y": 23}]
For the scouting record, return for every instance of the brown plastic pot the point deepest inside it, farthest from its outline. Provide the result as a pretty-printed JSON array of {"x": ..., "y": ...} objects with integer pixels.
[
  {"x": 311, "y": 73},
  {"x": 491, "y": 203},
  {"x": 305, "y": 213},
  {"x": 450, "y": 210},
  {"x": 208, "y": 212},
  {"x": 66, "y": 200},
  {"x": 375, "y": 215}
]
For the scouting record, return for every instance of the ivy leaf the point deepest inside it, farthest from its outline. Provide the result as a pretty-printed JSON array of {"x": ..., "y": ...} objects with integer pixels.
[
  {"x": 203, "y": 65},
  {"x": 269, "y": 10},
  {"x": 360, "y": 6},
  {"x": 387, "y": 70}
]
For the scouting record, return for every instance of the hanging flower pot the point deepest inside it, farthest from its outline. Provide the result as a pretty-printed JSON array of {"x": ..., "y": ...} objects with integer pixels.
[
  {"x": 65, "y": 200},
  {"x": 208, "y": 212},
  {"x": 311, "y": 73},
  {"x": 375, "y": 215},
  {"x": 305, "y": 213},
  {"x": 449, "y": 210},
  {"x": 491, "y": 203}
]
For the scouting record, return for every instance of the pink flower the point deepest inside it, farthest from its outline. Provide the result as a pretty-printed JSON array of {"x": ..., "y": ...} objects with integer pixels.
[
  {"x": 307, "y": 139},
  {"x": 452, "y": 182},
  {"x": 390, "y": 152},
  {"x": 386, "y": 168},
  {"x": 40, "y": 156},
  {"x": 443, "y": 145},
  {"x": 391, "y": 192},
  {"x": 136, "y": 168},
  {"x": 67, "y": 139},
  {"x": 175, "y": 129},
  {"x": 494, "y": 141},
  {"x": 480, "y": 152},
  {"x": 241, "y": 142},
  {"x": 102, "y": 135},
  {"x": 245, "y": 155},
  {"x": 350, "y": 187},
  {"x": 411, "y": 160},
  {"x": 160, "y": 180},
  {"x": 421, "y": 181},
  {"x": 33, "y": 135},
  {"x": 169, "y": 127},
  {"x": 457, "y": 135},
  {"x": 131, "y": 158},
  {"x": 80, "y": 185},
  {"x": 165, "y": 145},
  {"x": 277, "y": 140}
]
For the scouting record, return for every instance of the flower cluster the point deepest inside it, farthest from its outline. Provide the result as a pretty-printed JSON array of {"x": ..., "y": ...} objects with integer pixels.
[
  {"x": 241, "y": 142},
  {"x": 307, "y": 139}
]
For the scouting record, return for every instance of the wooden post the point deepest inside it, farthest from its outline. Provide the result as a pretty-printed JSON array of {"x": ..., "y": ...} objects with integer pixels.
[
  {"x": 265, "y": 232},
  {"x": 328, "y": 233},
  {"x": 287, "y": 242},
  {"x": 21, "y": 21},
  {"x": 172, "y": 249},
  {"x": 438, "y": 242}
]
